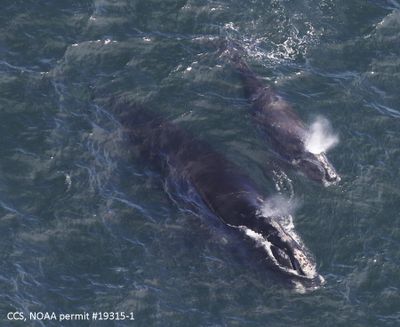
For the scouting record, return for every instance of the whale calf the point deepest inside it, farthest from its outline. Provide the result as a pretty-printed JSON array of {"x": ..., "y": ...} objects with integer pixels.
[
  {"x": 223, "y": 187},
  {"x": 285, "y": 130}
]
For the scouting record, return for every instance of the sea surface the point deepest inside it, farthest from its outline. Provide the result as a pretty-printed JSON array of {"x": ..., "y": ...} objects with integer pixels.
[{"x": 88, "y": 226}]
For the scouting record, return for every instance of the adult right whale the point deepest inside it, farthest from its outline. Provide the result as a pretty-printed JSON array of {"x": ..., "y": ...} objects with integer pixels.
[
  {"x": 285, "y": 130},
  {"x": 222, "y": 186}
]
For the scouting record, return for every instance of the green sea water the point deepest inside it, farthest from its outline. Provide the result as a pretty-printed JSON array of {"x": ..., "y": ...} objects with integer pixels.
[{"x": 87, "y": 226}]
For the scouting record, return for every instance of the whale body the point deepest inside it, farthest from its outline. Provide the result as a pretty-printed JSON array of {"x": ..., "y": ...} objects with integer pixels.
[
  {"x": 228, "y": 192},
  {"x": 284, "y": 129}
]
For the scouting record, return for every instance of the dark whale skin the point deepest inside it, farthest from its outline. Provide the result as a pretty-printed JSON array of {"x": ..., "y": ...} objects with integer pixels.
[
  {"x": 228, "y": 192},
  {"x": 284, "y": 129}
]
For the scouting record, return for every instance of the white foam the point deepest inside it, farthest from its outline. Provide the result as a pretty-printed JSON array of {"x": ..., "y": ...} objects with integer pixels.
[
  {"x": 321, "y": 137},
  {"x": 295, "y": 45},
  {"x": 303, "y": 289},
  {"x": 68, "y": 181},
  {"x": 231, "y": 26}
]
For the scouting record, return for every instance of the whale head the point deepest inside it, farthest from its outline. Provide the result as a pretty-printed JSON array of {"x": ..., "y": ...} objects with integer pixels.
[
  {"x": 283, "y": 250},
  {"x": 317, "y": 167}
]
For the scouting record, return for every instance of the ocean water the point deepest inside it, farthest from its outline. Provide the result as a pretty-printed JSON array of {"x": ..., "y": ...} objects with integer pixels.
[{"x": 87, "y": 226}]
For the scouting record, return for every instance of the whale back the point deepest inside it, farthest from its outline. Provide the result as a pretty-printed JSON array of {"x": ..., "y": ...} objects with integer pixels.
[
  {"x": 280, "y": 122},
  {"x": 272, "y": 113},
  {"x": 284, "y": 129},
  {"x": 222, "y": 185}
]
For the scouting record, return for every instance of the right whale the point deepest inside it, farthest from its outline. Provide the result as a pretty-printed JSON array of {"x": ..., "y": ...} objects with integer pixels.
[
  {"x": 284, "y": 128},
  {"x": 222, "y": 186}
]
